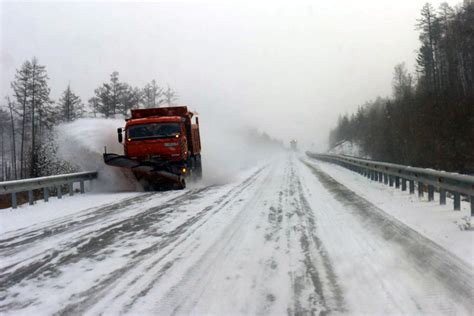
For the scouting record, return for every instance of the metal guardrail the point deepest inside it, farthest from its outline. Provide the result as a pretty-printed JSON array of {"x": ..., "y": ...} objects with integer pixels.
[
  {"x": 399, "y": 175},
  {"x": 45, "y": 183}
]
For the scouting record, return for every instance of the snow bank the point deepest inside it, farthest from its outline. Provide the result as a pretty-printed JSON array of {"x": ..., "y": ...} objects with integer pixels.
[
  {"x": 440, "y": 223},
  {"x": 348, "y": 148}
]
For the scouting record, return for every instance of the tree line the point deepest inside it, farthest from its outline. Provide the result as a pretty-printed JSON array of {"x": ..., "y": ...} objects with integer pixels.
[
  {"x": 28, "y": 116},
  {"x": 429, "y": 119}
]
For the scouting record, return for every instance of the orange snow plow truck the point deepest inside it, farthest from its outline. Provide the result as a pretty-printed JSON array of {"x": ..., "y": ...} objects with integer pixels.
[{"x": 162, "y": 147}]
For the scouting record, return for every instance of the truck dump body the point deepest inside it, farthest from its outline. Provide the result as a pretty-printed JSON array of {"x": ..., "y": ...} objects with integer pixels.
[{"x": 161, "y": 145}]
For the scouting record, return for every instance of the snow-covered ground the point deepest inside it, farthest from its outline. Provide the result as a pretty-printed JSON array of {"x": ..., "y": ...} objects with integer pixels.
[
  {"x": 28, "y": 217},
  {"x": 295, "y": 236},
  {"x": 437, "y": 222}
]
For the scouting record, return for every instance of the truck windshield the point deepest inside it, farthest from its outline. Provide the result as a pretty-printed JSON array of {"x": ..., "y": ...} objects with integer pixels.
[{"x": 153, "y": 130}]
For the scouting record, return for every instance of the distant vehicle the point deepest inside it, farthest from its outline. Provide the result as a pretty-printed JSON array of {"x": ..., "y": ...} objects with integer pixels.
[
  {"x": 294, "y": 145},
  {"x": 162, "y": 147}
]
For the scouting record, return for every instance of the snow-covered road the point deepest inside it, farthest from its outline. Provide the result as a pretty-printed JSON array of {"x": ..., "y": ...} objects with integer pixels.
[{"x": 285, "y": 239}]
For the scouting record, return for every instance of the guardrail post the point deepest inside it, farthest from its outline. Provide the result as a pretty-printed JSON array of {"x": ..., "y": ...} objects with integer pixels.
[
  {"x": 397, "y": 182},
  {"x": 430, "y": 192},
  {"x": 404, "y": 184},
  {"x": 420, "y": 189},
  {"x": 30, "y": 197},
  {"x": 385, "y": 178},
  {"x": 60, "y": 192},
  {"x": 82, "y": 187},
  {"x": 457, "y": 201},
  {"x": 71, "y": 189},
  {"x": 46, "y": 194},
  {"x": 14, "y": 202},
  {"x": 380, "y": 176},
  {"x": 412, "y": 186},
  {"x": 442, "y": 196},
  {"x": 390, "y": 180}
]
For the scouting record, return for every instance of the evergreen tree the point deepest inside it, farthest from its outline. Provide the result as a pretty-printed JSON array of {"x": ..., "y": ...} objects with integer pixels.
[
  {"x": 130, "y": 98},
  {"x": 70, "y": 106},
  {"x": 41, "y": 112},
  {"x": 430, "y": 29},
  {"x": 428, "y": 123},
  {"x": 33, "y": 105},
  {"x": 108, "y": 97}
]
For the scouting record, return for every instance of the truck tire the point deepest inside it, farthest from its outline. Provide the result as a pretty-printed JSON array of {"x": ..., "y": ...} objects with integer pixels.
[
  {"x": 198, "y": 168},
  {"x": 180, "y": 185}
]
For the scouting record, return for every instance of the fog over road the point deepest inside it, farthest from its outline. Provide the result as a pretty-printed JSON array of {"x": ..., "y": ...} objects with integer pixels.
[{"x": 285, "y": 239}]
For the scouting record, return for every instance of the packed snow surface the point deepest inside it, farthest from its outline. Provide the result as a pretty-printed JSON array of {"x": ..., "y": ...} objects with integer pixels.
[{"x": 290, "y": 237}]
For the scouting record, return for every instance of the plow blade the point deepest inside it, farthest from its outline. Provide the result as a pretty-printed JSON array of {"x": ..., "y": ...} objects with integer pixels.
[
  {"x": 152, "y": 172},
  {"x": 120, "y": 161}
]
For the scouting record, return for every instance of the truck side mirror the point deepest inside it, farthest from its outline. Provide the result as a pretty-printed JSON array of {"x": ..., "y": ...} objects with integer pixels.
[{"x": 120, "y": 136}]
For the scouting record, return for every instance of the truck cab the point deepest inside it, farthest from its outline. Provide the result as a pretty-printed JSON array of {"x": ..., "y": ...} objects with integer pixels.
[{"x": 162, "y": 139}]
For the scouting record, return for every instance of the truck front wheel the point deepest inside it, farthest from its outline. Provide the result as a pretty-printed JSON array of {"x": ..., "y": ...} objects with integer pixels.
[{"x": 198, "y": 168}]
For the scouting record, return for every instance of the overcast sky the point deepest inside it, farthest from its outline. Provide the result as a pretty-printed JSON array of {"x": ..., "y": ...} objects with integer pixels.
[{"x": 288, "y": 68}]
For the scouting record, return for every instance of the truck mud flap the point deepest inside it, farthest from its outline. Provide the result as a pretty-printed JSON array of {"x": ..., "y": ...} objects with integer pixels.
[{"x": 179, "y": 180}]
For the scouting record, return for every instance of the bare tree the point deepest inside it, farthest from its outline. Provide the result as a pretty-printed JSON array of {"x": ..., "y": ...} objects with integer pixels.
[
  {"x": 21, "y": 88},
  {"x": 13, "y": 139},
  {"x": 170, "y": 96},
  {"x": 3, "y": 123},
  {"x": 152, "y": 95},
  {"x": 402, "y": 82}
]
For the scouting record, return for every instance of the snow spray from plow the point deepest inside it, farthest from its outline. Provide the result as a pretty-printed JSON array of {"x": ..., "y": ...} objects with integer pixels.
[
  {"x": 82, "y": 143},
  {"x": 229, "y": 149}
]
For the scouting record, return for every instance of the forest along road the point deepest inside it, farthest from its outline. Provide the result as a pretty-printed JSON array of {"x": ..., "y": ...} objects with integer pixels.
[{"x": 285, "y": 239}]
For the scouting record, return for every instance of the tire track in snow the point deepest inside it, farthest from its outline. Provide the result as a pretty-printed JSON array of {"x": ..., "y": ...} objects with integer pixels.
[
  {"x": 73, "y": 222},
  {"x": 50, "y": 262},
  {"x": 326, "y": 295},
  {"x": 146, "y": 271}
]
